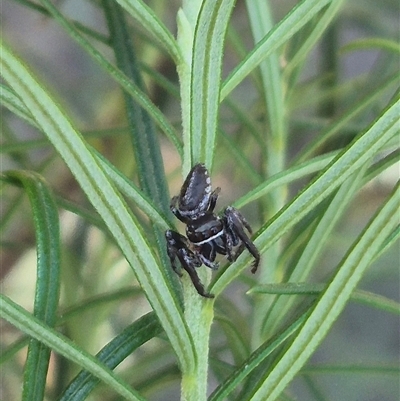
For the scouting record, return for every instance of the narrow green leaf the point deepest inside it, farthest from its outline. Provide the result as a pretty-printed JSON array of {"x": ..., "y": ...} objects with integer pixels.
[
  {"x": 332, "y": 369},
  {"x": 83, "y": 28},
  {"x": 272, "y": 87},
  {"x": 206, "y": 78},
  {"x": 19, "y": 146},
  {"x": 293, "y": 22},
  {"x": 102, "y": 194},
  {"x": 381, "y": 165},
  {"x": 371, "y": 43},
  {"x": 113, "y": 354},
  {"x": 234, "y": 151},
  {"x": 45, "y": 217},
  {"x": 326, "y": 18},
  {"x": 246, "y": 121},
  {"x": 376, "y": 301},
  {"x": 98, "y": 301},
  {"x": 332, "y": 300},
  {"x": 14, "y": 104},
  {"x": 272, "y": 94},
  {"x": 391, "y": 240},
  {"x": 146, "y": 144},
  {"x": 289, "y": 288},
  {"x": 237, "y": 343},
  {"x": 132, "y": 192},
  {"x": 33, "y": 327},
  {"x": 145, "y": 16},
  {"x": 363, "y": 297},
  {"x": 285, "y": 177},
  {"x": 9, "y": 352}
]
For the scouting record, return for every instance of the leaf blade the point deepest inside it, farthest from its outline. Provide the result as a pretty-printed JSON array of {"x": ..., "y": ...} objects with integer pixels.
[
  {"x": 118, "y": 349},
  {"x": 45, "y": 217},
  {"x": 206, "y": 78},
  {"x": 145, "y": 16}
]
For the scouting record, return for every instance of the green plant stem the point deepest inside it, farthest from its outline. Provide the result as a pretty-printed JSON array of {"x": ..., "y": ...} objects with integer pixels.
[
  {"x": 186, "y": 20},
  {"x": 199, "y": 314},
  {"x": 205, "y": 77}
]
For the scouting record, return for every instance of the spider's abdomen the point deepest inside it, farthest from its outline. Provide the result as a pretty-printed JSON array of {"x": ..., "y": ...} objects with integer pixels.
[
  {"x": 195, "y": 193},
  {"x": 205, "y": 229}
]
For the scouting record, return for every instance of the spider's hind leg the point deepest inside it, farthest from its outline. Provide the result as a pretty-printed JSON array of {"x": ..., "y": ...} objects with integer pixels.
[{"x": 236, "y": 235}]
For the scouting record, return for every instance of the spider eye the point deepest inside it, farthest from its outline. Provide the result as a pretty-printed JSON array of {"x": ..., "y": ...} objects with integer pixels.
[{"x": 196, "y": 190}]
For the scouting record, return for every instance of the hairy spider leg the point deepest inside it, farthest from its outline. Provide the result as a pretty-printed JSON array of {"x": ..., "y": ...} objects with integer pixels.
[
  {"x": 175, "y": 210},
  {"x": 234, "y": 227},
  {"x": 213, "y": 199},
  {"x": 177, "y": 247}
]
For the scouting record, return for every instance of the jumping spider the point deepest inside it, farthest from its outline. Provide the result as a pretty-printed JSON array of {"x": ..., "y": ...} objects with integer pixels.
[{"x": 207, "y": 234}]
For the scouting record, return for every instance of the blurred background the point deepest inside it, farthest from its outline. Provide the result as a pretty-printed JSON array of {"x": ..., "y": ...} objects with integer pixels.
[{"x": 361, "y": 339}]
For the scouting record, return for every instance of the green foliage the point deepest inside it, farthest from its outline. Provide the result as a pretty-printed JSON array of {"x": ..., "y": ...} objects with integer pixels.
[{"x": 267, "y": 124}]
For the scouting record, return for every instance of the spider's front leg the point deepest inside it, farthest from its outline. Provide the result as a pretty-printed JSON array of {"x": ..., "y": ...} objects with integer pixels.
[
  {"x": 235, "y": 234},
  {"x": 175, "y": 210},
  {"x": 178, "y": 247},
  {"x": 213, "y": 199}
]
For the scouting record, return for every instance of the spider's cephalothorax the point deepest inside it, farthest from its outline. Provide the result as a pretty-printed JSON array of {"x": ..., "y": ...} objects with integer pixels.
[{"x": 207, "y": 234}]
